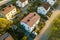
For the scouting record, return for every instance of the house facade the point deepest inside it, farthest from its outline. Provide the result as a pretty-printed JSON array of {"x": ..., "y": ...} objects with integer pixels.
[
  {"x": 44, "y": 8},
  {"x": 21, "y": 3},
  {"x": 30, "y": 21},
  {"x": 6, "y": 36},
  {"x": 9, "y": 11},
  {"x": 51, "y": 2}
]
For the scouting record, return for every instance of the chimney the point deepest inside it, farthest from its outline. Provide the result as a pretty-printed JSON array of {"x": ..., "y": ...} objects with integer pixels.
[
  {"x": 2, "y": 9},
  {"x": 34, "y": 14},
  {"x": 28, "y": 20},
  {"x": 9, "y": 5}
]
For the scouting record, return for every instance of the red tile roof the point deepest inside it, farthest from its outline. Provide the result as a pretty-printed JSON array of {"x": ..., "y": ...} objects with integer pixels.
[
  {"x": 7, "y": 9},
  {"x": 31, "y": 19}
]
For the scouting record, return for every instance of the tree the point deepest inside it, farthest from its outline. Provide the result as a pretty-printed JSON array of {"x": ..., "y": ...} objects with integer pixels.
[
  {"x": 24, "y": 38},
  {"x": 4, "y": 24},
  {"x": 55, "y": 35}
]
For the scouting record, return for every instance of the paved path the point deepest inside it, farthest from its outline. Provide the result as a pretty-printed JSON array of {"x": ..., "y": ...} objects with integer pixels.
[{"x": 48, "y": 23}]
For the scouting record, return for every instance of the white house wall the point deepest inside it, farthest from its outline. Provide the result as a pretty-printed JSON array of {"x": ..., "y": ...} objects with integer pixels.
[
  {"x": 25, "y": 26},
  {"x": 11, "y": 13},
  {"x": 48, "y": 9},
  {"x": 18, "y": 3},
  {"x": 51, "y": 2},
  {"x": 34, "y": 25},
  {"x": 24, "y": 3},
  {"x": 42, "y": 10}
]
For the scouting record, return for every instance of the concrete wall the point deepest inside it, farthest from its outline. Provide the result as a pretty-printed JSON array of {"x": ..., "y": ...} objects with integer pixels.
[{"x": 25, "y": 26}]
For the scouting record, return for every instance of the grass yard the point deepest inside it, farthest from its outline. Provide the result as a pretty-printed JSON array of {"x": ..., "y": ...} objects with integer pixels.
[{"x": 55, "y": 35}]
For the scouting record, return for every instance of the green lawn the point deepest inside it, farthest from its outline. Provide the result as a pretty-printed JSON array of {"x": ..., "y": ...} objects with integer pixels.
[
  {"x": 14, "y": 1},
  {"x": 55, "y": 35}
]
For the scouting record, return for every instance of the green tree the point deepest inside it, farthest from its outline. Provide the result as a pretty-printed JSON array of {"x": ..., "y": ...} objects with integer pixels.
[
  {"x": 24, "y": 38},
  {"x": 55, "y": 35},
  {"x": 4, "y": 24}
]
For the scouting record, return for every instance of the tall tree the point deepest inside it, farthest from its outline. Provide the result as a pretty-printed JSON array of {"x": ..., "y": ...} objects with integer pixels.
[
  {"x": 55, "y": 35},
  {"x": 4, "y": 24}
]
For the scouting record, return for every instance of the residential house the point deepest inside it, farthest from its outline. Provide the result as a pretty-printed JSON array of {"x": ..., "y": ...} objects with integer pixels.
[
  {"x": 9, "y": 11},
  {"x": 51, "y": 2},
  {"x": 21, "y": 3},
  {"x": 6, "y": 36},
  {"x": 44, "y": 8},
  {"x": 4, "y": 2},
  {"x": 30, "y": 21}
]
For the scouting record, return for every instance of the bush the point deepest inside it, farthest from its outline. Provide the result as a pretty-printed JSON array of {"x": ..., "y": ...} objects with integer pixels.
[{"x": 55, "y": 35}]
